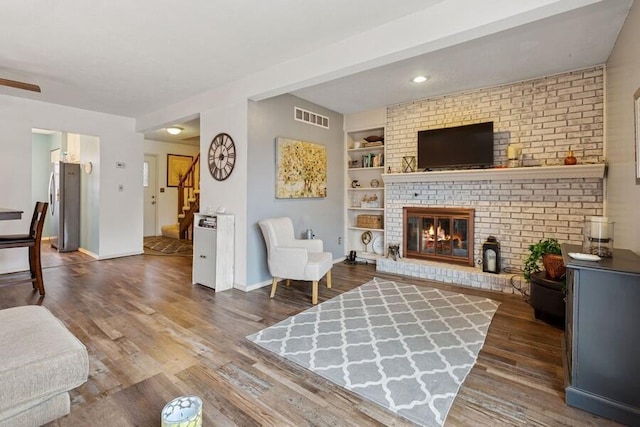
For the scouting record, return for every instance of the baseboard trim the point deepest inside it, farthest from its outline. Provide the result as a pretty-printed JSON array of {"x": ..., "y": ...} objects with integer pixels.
[
  {"x": 111, "y": 256},
  {"x": 254, "y": 286},
  {"x": 87, "y": 252}
]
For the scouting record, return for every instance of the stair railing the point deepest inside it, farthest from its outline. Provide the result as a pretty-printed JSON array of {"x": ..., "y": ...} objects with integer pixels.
[{"x": 188, "y": 197}]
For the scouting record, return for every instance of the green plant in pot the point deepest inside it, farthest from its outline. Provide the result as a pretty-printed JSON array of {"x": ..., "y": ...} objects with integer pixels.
[{"x": 548, "y": 252}]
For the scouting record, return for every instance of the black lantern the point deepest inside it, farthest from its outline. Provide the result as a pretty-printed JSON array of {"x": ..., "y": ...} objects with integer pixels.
[{"x": 491, "y": 255}]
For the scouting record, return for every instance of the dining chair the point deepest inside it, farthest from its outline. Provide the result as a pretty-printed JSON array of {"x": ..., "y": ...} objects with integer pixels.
[
  {"x": 291, "y": 258},
  {"x": 32, "y": 241}
]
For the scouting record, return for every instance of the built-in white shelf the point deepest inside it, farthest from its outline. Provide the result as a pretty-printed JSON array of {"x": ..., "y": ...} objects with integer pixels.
[
  {"x": 532, "y": 172},
  {"x": 361, "y": 149},
  {"x": 371, "y": 168},
  {"x": 365, "y": 229},
  {"x": 363, "y": 183}
]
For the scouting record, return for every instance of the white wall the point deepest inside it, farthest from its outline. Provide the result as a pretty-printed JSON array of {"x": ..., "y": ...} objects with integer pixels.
[
  {"x": 120, "y": 231},
  {"x": 622, "y": 81},
  {"x": 167, "y": 202},
  {"x": 90, "y": 194},
  {"x": 231, "y": 193},
  {"x": 268, "y": 120}
]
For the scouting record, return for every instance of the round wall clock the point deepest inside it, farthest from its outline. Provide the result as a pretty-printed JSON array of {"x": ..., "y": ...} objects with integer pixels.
[{"x": 222, "y": 156}]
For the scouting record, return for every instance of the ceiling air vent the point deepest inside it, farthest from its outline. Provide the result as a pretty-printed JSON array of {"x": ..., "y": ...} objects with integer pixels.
[{"x": 310, "y": 117}]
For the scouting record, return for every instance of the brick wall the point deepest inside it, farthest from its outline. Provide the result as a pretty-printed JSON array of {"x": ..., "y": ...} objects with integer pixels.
[{"x": 546, "y": 116}]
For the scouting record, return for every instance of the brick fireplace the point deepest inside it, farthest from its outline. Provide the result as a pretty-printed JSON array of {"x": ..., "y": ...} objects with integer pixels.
[{"x": 519, "y": 206}]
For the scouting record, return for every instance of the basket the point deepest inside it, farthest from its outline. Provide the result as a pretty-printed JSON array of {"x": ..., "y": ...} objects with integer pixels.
[
  {"x": 369, "y": 221},
  {"x": 373, "y": 204},
  {"x": 554, "y": 265}
]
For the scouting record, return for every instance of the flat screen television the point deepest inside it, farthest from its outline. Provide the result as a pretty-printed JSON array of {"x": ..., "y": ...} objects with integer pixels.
[{"x": 459, "y": 147}]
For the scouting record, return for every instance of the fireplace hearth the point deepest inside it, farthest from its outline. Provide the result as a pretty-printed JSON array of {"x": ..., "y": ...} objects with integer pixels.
[{"x": 439, "y": 234}]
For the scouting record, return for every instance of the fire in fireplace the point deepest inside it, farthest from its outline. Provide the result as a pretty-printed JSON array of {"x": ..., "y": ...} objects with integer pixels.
[{"x": 439, "y": 234}]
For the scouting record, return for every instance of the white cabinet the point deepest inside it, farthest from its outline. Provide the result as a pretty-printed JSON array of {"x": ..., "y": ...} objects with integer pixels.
[
  {"x": 213, "y": 249},
  {"x": 365, "y": 192}
]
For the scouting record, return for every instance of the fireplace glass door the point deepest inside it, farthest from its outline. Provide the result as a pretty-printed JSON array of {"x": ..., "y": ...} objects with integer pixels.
[{"x": 441, "y": 234}]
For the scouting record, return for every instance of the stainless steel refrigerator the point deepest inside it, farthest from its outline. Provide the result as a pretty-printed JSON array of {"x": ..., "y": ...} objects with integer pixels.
[{"x": 64, "y": 205}]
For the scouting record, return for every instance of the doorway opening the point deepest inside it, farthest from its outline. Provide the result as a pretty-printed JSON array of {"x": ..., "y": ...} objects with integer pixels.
[
  {"x": 65, "y": 173},
  {"x": 170, "y": 157}
]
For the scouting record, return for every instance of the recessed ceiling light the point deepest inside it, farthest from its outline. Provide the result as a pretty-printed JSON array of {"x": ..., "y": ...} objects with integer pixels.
[
  {"x": 174, "y": 130},
  {"x": 420, "y": 79}
]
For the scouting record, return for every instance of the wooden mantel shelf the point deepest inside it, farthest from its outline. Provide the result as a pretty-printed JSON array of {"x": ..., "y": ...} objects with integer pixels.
[{"x": 531, "y": 172}]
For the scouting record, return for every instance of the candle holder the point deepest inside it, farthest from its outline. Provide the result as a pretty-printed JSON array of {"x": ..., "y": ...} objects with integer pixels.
[
  {"x": 598, "y": 236},
  {"x": 408, "y": 164},
  {"x": 183, "y": 411},
  {"x": 514, "y": 155}
]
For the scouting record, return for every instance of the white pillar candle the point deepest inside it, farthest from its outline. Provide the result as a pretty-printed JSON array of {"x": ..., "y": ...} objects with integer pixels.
[
  {"x": 599, "y": 227},
  {"x": 491, "y": 259},
  {"x": 511, "y": 152}
]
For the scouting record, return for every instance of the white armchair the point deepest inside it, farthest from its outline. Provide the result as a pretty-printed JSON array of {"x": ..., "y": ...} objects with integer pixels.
[{"x": 291, "y": 258}]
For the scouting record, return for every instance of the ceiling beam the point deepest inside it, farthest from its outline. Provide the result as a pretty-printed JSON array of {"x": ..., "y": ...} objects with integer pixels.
[{"x": 20, "y": 85}]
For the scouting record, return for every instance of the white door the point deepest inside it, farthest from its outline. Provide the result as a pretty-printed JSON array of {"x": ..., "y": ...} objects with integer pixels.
[{"x": 150, "y": 197}]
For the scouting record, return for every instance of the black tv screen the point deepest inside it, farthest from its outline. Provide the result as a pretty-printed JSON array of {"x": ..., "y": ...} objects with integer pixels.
[{"x": 469, "y": 146}]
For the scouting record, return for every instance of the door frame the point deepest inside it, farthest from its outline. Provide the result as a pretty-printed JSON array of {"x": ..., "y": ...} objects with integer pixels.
[{"x": 155, "y": 193}]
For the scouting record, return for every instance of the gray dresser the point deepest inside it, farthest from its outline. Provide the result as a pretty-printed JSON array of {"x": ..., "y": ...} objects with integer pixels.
[{"x": 602, "y": 335}]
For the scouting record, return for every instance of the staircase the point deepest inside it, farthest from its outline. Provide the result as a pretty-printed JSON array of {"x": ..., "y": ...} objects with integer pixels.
[{"x": 188, "y": 199}]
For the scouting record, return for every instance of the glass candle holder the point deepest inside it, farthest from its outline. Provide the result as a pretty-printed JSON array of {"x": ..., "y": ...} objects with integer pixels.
[
  {"x": 598, "y": 236},
  {"x": 408, "y": 164},
  {"x": 184, "y": 411}
]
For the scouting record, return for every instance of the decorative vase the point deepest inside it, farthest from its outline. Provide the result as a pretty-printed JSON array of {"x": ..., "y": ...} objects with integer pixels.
[
  {"x": 570, "y": 159},
  {"x": 553, "y": 265},
  {"x": 598, "y": 236}
]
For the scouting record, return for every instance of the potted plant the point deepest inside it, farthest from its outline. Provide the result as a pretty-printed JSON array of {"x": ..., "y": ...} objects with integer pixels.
[
  {"x": 548, "y": 252},
  {"x": 546, "y": 291}
]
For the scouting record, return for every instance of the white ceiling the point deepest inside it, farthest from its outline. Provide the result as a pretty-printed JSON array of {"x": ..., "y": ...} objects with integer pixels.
[
  {"x": 190, "y": 134},
  {"x": 568, "y": 41},
  {"x": 133, "y": 58}
]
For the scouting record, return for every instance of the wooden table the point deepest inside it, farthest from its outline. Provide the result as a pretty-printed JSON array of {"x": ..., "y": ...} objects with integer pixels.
[{"x": 6, "y": 214}]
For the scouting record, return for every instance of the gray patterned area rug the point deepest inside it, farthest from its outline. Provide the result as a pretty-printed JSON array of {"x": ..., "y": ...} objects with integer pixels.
[{"x": 404, "y": 347}]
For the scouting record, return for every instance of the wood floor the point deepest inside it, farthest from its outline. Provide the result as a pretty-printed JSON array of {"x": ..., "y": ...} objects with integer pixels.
[{"x": 153, "y": 336}]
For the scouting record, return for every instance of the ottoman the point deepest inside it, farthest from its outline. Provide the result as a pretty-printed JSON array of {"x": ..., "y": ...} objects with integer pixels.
[
  {"x": 41, "y": 362},
  {"x": 547, "y": 299}
]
